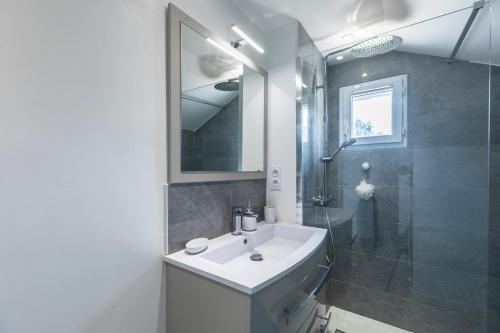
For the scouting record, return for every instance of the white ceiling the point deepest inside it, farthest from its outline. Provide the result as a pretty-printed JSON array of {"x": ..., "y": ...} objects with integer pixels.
[
  {"x": 437, "y": 37},
  {"x": 328, "y": 21}
]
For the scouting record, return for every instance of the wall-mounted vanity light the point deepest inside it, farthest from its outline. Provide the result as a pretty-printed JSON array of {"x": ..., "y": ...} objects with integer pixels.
[
  {"x": 211, "y": 41},
  {"x": 246, "y": 38}
]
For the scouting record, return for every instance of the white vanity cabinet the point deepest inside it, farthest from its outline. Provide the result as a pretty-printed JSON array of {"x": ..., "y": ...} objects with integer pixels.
[{"x": 197, "y": 303}]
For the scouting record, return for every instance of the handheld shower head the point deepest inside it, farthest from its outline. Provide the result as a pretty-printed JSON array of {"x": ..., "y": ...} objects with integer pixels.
[
  {"x": 348, "y": 143},
  {"x": 344, "y": 144}
]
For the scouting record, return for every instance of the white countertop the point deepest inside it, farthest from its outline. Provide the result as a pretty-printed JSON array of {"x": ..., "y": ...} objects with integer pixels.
[{"x": 280, "y": 256}]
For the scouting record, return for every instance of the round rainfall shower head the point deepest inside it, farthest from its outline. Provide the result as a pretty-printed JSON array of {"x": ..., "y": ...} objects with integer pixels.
[
  {"x": 229, "y": 85},
  {"x": 375, "y": 46}
]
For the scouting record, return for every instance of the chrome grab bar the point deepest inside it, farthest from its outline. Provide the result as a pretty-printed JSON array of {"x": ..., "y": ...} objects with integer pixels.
[{"x": 314, "y": 291}]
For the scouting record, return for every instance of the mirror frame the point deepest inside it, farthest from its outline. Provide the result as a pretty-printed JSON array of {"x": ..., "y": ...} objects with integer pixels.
[{"x": 175, "y": 17}]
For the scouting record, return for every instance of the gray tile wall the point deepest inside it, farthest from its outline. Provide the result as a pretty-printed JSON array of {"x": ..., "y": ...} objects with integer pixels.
[
  {"x": 426, "y": 256},
  {"x": 494, "y": 198},
  {"x": 204, "y": 209},
  {"x": 191, "y": 152},
  {"x": 215, "y": 145}
]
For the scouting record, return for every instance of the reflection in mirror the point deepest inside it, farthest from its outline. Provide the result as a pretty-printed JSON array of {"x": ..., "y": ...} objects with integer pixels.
[{"x": 222, "y": 109}]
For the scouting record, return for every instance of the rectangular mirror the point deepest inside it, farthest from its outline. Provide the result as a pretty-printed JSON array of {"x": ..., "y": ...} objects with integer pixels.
[{"x": 217, "y": 107}]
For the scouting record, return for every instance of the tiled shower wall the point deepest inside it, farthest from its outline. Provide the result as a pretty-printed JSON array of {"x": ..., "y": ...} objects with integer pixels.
[
  {"x": 215, "y": 145},
  {"x": 204, "y": 209},
  {"x": 426, "y": 256}
]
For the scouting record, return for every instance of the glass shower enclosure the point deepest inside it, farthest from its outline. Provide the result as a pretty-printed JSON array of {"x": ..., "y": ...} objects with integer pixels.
[{"x": 423, "y": 252}]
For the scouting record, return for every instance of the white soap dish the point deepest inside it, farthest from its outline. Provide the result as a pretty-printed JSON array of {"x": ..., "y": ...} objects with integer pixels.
[{"x": 197, "y": 245}]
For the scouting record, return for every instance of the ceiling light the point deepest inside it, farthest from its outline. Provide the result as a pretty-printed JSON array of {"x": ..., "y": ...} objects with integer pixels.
[
  {"x": 364, "y": 75},
  {"x": 247, "y": 38},
  {"x": 340, "y": 58},
  {"x": 348, "y": 36}
]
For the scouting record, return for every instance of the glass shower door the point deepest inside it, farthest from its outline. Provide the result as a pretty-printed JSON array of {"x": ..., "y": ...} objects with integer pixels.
[{"x": 423, "y": 253}]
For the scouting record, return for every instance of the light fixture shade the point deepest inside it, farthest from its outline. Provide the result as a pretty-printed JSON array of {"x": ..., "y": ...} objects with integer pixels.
[{"x": 247, "y": 38}]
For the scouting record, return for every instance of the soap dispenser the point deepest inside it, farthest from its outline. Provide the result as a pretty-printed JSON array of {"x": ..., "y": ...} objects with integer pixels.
[{"x": 249, "y": 219}]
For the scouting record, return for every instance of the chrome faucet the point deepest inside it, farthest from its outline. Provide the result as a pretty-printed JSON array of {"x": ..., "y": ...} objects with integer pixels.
[{"x": 237, "y": 216}]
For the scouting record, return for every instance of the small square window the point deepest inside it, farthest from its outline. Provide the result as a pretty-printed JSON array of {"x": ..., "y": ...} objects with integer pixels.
[
  {"x": 374, "y": 113},
  {"x": 371, "y": 113}
]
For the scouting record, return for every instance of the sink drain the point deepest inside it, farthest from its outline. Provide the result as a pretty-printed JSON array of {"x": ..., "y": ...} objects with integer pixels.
[{"x": 256, "y": 257}]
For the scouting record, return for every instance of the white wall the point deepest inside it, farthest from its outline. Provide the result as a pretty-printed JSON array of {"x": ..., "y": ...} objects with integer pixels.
[
  {"x": 282, "y": 118},
  {"x": 252, "y": 114},
  {"x": 82, "y": 155}
]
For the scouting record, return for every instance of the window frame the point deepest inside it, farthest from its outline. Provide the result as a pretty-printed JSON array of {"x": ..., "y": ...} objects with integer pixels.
[{"x": 398, "y": 84}]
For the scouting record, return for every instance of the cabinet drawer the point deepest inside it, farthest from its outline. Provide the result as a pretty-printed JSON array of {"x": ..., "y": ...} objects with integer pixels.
[{"x": 288, "y": 302}]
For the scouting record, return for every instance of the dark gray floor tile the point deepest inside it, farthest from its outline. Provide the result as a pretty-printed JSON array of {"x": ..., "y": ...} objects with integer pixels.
[
  {"x": 363, "y": 270},
  {"x": 437, "y": 286},
  {"x": 425, "y": 318},
  {"x": 373, "y": 272},
  {"x": 344, "y": 269},
  {"x": 367, "y": 302},
  {"x": 402, "y": 312}
]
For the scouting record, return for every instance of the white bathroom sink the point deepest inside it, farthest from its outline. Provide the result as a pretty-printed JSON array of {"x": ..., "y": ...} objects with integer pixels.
[{"x": 283, "y": 246}]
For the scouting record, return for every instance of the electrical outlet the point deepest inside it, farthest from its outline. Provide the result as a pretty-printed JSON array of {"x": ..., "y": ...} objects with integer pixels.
[{"x": 275, "y": 178}]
